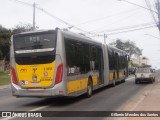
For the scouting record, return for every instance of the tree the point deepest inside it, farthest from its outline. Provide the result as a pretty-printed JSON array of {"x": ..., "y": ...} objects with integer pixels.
[
  {"x": 128, "y": 46},
  {"x": 5, "y": 35},
  {"x": 4, "y": 42},
  {"x": 21, "y": 27}
]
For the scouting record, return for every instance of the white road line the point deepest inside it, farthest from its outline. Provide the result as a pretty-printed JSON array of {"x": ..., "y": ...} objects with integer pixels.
[
  {"x": 137, "y": 103},
  {"x": 39, "y": 108},
  {"x": 130, "y": 78},
  {"x": 35, "y": 109}
]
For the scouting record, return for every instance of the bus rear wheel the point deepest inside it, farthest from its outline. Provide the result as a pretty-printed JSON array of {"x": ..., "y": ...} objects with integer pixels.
[{"x": 89, "y": 88}]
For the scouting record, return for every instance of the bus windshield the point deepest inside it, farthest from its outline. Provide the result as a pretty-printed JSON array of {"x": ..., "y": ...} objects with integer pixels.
[{"x": 34, "y": 41}]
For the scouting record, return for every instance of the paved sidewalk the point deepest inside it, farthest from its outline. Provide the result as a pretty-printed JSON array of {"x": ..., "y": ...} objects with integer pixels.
[{"x": 150, "y": 103}]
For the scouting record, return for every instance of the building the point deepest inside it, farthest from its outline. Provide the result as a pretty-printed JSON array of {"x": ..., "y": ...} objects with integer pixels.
[{"x": 139, "y": 60}]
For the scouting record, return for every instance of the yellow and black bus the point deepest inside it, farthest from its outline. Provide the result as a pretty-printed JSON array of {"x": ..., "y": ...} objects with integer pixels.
[{"x": 54, "y": 63}]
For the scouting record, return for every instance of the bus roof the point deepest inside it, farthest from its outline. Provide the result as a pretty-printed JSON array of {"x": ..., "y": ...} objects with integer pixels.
[
  {"x": 34, "y": 31},
  {"x": 80, "y": 37}
]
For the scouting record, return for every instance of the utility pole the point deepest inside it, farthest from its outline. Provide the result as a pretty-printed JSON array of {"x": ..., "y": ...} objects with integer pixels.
[
  {"x": 105, "y": 36},
  {"x": 34, "y": 6}
]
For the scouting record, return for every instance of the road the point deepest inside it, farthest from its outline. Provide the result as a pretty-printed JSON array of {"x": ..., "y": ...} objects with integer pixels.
[{"x": 124, "y": 97}]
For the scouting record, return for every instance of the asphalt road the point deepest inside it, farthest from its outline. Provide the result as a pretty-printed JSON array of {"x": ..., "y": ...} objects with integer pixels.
[{"x": 123, "y": 97}]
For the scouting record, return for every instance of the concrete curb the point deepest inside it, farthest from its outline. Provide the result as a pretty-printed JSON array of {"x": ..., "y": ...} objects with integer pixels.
[{"x": 5, "y": 86}]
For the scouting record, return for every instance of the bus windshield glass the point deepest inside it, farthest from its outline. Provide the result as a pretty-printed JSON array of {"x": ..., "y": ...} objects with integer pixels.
[{"x": 34, "y": 41}]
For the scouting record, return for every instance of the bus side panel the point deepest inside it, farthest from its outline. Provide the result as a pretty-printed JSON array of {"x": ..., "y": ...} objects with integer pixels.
[{"x": 60, "y": 59}]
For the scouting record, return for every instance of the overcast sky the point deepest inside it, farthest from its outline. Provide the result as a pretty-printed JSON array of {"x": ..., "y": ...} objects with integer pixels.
[{"x": 95, "y": 16}]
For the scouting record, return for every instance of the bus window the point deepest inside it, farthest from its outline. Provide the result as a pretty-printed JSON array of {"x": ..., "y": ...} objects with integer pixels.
[
  {"x": 80, "y": 57},
  {"x": 112, "y": 61},
  {"x": 94, "y": 58}
]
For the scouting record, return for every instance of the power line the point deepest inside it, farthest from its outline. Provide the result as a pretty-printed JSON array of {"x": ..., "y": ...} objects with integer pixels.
[
  {"x": 117, "y": 21},
  {"x": 105, "y": 17},
  {"x": 62, "y": 21},
  {"x": 53, "y": 16},
  {"x": 73, "y": 26},
  {"x": 152, "y": 36},
  {"x": 131, "y": 30},
  {"x": 24, "y": 3},
  {"x": 138, "y": 5},
  {"x": 124, "y": 28}
]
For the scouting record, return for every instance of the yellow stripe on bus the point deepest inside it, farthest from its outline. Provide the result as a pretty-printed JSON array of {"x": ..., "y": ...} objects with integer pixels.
[
  {"x": 111, "y": 76},
  {"x": 121, "y": 74},
  {"x": 81, "y": 84}
]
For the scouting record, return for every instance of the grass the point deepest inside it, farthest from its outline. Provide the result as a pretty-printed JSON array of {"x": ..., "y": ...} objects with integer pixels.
[{"x": 4, "y": 78}]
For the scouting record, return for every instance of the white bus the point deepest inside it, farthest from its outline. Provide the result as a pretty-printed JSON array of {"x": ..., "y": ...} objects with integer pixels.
[{"x": 56, "y": 63}]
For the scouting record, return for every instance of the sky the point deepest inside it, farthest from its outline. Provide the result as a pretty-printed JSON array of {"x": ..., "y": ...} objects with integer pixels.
[{"x": 98, "y": 17}]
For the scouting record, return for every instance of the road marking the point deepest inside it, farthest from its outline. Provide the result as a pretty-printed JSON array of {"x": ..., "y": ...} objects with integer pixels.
[
  {"x": 39, "y": 108},
  {"x": 130, "y": 78},
  {"x": 137, "y": 103},
  {"x": 35, "y": 109}
]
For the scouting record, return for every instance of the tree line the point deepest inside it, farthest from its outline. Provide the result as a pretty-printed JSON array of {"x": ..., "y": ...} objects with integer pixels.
[
  {"x": 128, "y": 46},
  {"x": 5, "y": 35}
]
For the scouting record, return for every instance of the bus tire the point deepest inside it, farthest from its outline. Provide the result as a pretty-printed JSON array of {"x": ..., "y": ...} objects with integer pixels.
[{"x": 89, "y": 88}]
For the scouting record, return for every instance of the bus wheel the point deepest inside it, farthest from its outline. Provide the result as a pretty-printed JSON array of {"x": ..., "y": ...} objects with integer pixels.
[{"x": 89, "y": 88}]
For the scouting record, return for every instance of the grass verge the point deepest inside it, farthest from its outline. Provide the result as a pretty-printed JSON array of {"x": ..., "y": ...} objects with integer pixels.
[{"x": 4, "y": 78}]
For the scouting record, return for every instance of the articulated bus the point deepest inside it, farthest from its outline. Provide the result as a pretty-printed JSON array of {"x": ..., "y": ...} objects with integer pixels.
[{"x": 56, "y": 63}]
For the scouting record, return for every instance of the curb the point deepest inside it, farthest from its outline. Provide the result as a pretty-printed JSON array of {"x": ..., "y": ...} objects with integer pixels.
[{"x": 5, "y": 86}]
